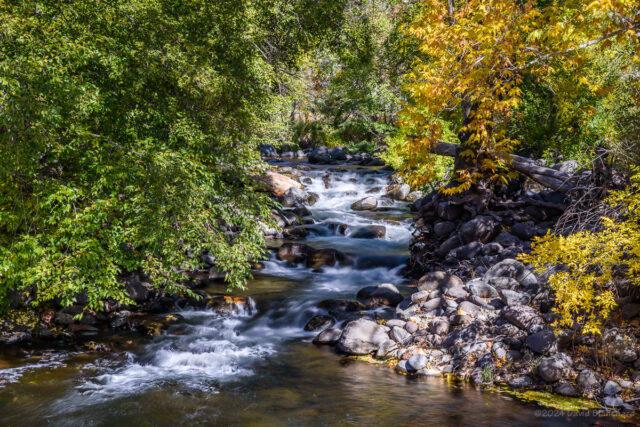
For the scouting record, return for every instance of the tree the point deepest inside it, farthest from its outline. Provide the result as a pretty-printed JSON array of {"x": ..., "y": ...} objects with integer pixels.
[
  {"x": 477, "y": 54},
  {"x": 128, "y": 133}
]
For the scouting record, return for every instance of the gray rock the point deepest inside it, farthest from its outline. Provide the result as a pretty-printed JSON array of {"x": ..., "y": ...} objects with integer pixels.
[
  {"x": 469, "y": 308},
  {"x": 587, "y": 379},
  {"x": 629, "y": 311},
  {"x": 624, "y": 346},
  {"x": 522, "y": 316},
  {"x": 507, "y": 240},
  {"x": 504, "y": 283},
  {"x": 294, "y": 252},
  {"x": 481, "y": 289},
  {"x": 400, "y": 335},
  {"x": 479, "y": 229},
  {"x": 395, "y": 322},
  {"x": 566, "y": 389},
  {"x": 366, "y": 204},
  {"x": 431, "y": 372},
  {"x": 399, "y": 192},
  {"x": 402, "y": 367},
  {"x": 513, "y": 269},
  {"x": 386, "y": 348},
  {"x": 439, "y": 327},
  {"x": 611, "y": 388},
  {"x": 613, "y": 402},
  {"x": 432, "y": 304},
  {"x": 362, "y": 337},
  {"x": 456, "y": 292},
  {"x": 420, "y": 296},
  {"x": 543, "y": 342},
  {"x": 318, "y": 323},
  {"x": 520, "y": 382},
  {"x": 384, "y": 294},
  {"x": 411, "y": 327},
  {"x": 438, "y": 279},
  {"x": 556, "y": 367},
  {"x": 370, "y": 232},
  {"x": 468, "y": 251},
  {"x": 417, "y": 362},
  {"x": 328, "y": 337},
  {"x": 492, "y": 248},
  {"x": 414, "y": 196},
  {"x": 513, "y": 297},
  {"x": 448, "y": 245},
  {"x": 524, "y": 231},
  {"x": 137, "y": 291},
  {"x": 444, "y": 228}
]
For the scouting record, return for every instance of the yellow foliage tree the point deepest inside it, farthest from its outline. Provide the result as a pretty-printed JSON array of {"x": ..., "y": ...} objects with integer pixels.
[
  {"x": 592, "y": 263},
  {"x": 475, "y": 55}
]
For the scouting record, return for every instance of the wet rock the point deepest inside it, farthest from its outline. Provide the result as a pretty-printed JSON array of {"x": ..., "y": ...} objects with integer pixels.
[
  {"x": 341, "y": 306},
  {"x": 366, "y": 204},
  {"x": 613, "y": 402},
  {"x": 399, "y": 192},
  {"x": 514, "y": 298},
  {"x": 566, "y": 389},
  {"x": 479, "y": 229},
  {"x": 512, "y": 269},
  {"x": 400, "y": 335},
  {"x": 387, "y": 348},
  {"x": 520, "y": 382},
  {"x": 543, "y": 342},
  {"x": 438, "y": 279},
  {"x": 277, "y": 183},
  {"x": 522, "y": 316},
  {"x": 294, "y": 252},
  {"x": 362, "y": 337},
  {"x": 370, "y": 232},
  {"x": 444, "y": 228},
  {"x": 318, "y": 323},
  {"x": 384, "y": 294},
  {"x": 324, "y": 257},
  {"x": 556, "y": 367},
  {"x": 328, "y": 337},
  {"x": 414, "y": 196}
]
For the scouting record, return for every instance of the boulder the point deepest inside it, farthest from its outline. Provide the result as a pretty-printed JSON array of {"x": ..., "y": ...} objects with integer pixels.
[
  {"x": 417, "y": 362},
  {"x": 587, "y": 380},
  {"x": 513, "y": 269},
  {"x": 384, "y": 294},
  {"x": 277, "y": 183},
  {"x": 400, "y": 335},
  {"x": 399, "y": 192},
  {"x": 414, "y": 196},
  {"x": 294, "y": 252},
  {"x": 479, "y": 229},
  {"x": 366, "y": 204},
  {"x": 514, "y": 298},
  {"x": 483, "y": 290},
  {"x": 623, "y": 346},
  {"x": 556, "y": 367},
  {"x": 612, "y": 388},
  {"x": 437, "y": 280},
  {"x": 318, "y": 323},
  {"x": 444, "y": 228},
  {"x": 137, "y": 290},
  {"x": 386, "y": 348},
  {"x": 522, "y": 316},
  {"x": 362, "y": 337},
  {"x": 324, "y": 257},
  {"x": 543, "y": 342},
  {"x": 449, "y": 211},
  {"x": 320, "y": 155},
  {"x": 328, "y": 337},
  {"x": 370, "y": 232}
]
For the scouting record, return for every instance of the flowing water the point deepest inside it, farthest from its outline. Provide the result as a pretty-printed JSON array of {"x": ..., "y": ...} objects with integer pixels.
[{"x": 258, "y": 366}]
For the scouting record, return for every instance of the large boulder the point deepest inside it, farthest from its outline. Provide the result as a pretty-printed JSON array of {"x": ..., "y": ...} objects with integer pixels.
[
  {"x": 444, "y": 228},
  {"x": 294, "y": 252},
  {"x": 556, "y": 367},
  {"x": 366, "y": 204},
  {"x": 320, "y": 155},
  {"x": 438, "y": 279},
  {"x": 543, "y": 342},
  {"x": 328, "y": 337},
  {"x": 362, "y": 337},
  {"x": 399, "y": 192},
  {"x": 277, "y": 183},
  {"x": 479, "y": 229}
]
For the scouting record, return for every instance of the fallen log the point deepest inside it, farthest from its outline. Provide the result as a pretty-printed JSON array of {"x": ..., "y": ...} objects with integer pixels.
[{"x": 548, "y": 177}]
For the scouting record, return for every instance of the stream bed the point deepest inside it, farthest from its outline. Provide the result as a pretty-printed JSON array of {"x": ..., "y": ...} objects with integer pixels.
[{"x": 258, "y": 367}]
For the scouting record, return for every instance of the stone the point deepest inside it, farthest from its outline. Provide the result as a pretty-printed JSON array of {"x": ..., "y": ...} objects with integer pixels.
[
  {"x": 524, "y": 231},
  {"x": 483, "y": 290},
  {"x": 362, "y": 336},
  {"x": 395, "y": 322},
  {"x": 507, "y": 240},
  {"x": 430, "y": 372},
  {"x": 510, "y": 297},
  {"x": 461, "y": 336},
  {"x": 566, "y": 389},
  {"x": 444, "y": 228},
  {"x": 420, "y": 296},
  {"x": 276, "y": 183},
  {"x": 63, "y": 319},
  {"x": 449, "y": 245},
  {"x": 520, "y": 382},
  {"x": 402, "y": 367},
  {"x": 417, "y": 362},
  {"x": 366, "y": 204},
  {"x": 456, "y": 292},
  {"x": 386, "y": 348},
  {"x": 411, "y": 327},
  {"x": 624, "y": 347},
  {"x": 629, "y": 311},
  {"x": 384, "y": 294},
  {"x": 318, "y": 323},
  {"x": 543, "y": 342},
  {"x": 439, "y": 327},
  {"x": 568, "y": 166},
  {"x": 414, "y": 196},
  {"x": 137, "y": 290},
  {"x": 468, "y": 251},
  {"x": 479, "y": 229},
  {"x": 492, "y": 248},
  {"x": 613, "y": 402},
  {"x": 522, "y": 316},
  {"x": 556, "y": 367},
  {"x": 400, "y": 335},
  {"x": 504, "y": 283},
  {"x": 469, "y": 308},
  {"x": 294, "y": 252},
  {"x": 449, "y": 211},
  {"x": 513, "y": 269},
  {"x": 323, "y": 257},
  {"x": 399, "y": 192},
  {"x": 432, "y": 304},
  {"x": 611, "y": 388},
  {"x": 438, "y": 279},
  {"x": 370, "y": 232},
  {"x": 587, "y": 380}
]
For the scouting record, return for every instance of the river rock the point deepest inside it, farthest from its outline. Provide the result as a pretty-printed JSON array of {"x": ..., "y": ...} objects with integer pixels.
[
  {"x": 483, "y": 290},
  {"x": 439, "y": 327},
  {"x": 513, "y": 297},
  {"x": 324, "y": 257},
  {"x": 444, "y": 228},
  {"x": 507, "y": 240},
  {"x": 613, "y": 402},
  {"x": 395, "y": 322},
  {"x": 384, "y": 294},
  {"x": 294, "y": 252},
  {"x": 520, "y": 382},
  {"x": 277, "y": 183},
  {"x": 431, "y": 304},
  {"x": 417, "y": 362},
  {"x": 513, "y": 269},
  {"x": 366, "y": 204},
  {"x": 524, "y": 231},
  {"x": 479, "y": 229},
  {"x": 456, "y": 292},
  {"x": 623, "y": 346},
  {"x": 318, "y": 323},
  {"x": 611, "y": 388},
  {"x": 362, "y": 337},
  {"x": 566, "y": 389},
  {"x": 449, "y": 211},
  {"x": 370, "y": 232},
  {"x": 556, "y": 367},
  {"x": 468, "y": 251},
  {"x": 411, "y": 327},
  {"x": 522, "y": 316},
  {"x": 469, "y": 308},
  {"x": 438, "y": 279},
  {"x": 386, "y": 349},
  {"x": 399, "y": 192},
  {"x": 543, "y": 342},
  {"x": 414, "y": 196},
  {"x": 400, "y": 335},
  {"x": 587, "y": 380}
]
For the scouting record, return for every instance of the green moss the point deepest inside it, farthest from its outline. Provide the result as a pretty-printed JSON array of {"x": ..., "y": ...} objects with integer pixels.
[{"x": 555, "y": 401}]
